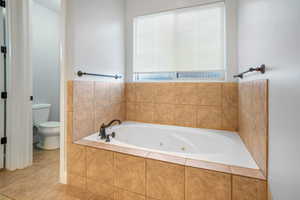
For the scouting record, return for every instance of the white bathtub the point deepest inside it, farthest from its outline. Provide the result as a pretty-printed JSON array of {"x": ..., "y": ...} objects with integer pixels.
[{"x": 204, "y": 144}]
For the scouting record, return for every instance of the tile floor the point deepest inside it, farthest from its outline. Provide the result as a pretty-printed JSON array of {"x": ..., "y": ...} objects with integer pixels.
[
  {"x": 4, "y": 197},
  {"x": 34, "y": 181},
  {"x": 39, "y": 182}
]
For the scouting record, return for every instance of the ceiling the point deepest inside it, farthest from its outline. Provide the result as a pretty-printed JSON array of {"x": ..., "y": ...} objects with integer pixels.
[{"x": 51, "y": 4}]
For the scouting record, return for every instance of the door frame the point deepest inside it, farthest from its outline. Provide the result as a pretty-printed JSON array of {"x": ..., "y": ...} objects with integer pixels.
[
  {"x": 63, "y": 96},
  {"x": 3, "y": 66},
  {"x": 20, "y": 47}
]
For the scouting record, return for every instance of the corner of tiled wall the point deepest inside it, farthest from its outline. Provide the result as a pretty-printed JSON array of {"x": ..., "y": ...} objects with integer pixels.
[
  {"x": 253, "y": 120},
  {"x": 95, "y": 103}
]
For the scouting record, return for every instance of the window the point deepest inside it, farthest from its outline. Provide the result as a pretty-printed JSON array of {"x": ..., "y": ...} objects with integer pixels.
[{"x": 181, "y": 44}]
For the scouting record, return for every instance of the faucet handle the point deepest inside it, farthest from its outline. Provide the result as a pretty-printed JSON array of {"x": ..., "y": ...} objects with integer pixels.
[
  {"x": 107, "y": 138},
  {"x": 113, "y": 135},
  {"x": 102, "y": 132}
]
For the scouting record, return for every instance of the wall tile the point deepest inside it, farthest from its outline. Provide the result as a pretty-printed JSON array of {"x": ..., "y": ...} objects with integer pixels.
[
  {"x": 102, "y": 94},
  {"x": 100, "y": 190},
  {"x": 164, "y": 113},
  {"x": 103, "y": 115},
  {"x": 253, "y": 120},
  {"x": 77, "y": 160},
  {"x": 164, "y": 93},
  {"x": 70, "y": 96},
  {"x": 130, "y": 92},
  {"x": 165, "y": 180},
  {"x": 230, "y": 94},
  {"x": 204, "y": 184},
  {"x": 261, "y": 124},
  {"x": 117, "y": 94},
  {"x": 83, "y": 106},
  {"x": 209, "y": 117},
  {"x": 83, "y": 123},
  {"x": 118, "y": 111},
  {"x": 230, "y": 118},
  {"x": 131, "y": 111},
  {"x": 185, "y": 115},
  {"x": 83, "y": 98},
  {"x": 69, "y": 127},
  {"x": 130, "y": 173},
  {"x": 173, "y": 104},
  {"x": 186, "y": 94},
  {"x": 144, "y": 92},
  {"x": 100, "y": 165},
  {"x": 125, "y": 195},
  {"x": 230, "y": 106},
  {"x": 248, "y": 189},
  {"x": 210, "y": 94},
  {"x": 144, "y": 112}
]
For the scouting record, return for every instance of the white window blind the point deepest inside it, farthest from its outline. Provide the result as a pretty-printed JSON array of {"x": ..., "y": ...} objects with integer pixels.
[{"x": 183, "y": 40}]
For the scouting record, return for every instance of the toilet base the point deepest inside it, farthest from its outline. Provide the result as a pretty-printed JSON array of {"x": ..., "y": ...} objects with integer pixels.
[{"x": 48, "y": 142}]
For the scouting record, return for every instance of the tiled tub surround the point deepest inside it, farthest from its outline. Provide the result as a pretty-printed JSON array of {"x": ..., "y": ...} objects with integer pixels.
[
  {"x": 112, "y": 172},
  {"x": 253, "y": 120},
  {"x": 202, "y": 105},
  {"x": 94, "y": 103},
  {"x": 118, "y": 173}
]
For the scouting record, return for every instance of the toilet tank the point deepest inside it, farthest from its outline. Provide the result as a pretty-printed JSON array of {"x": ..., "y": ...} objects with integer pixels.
[{"x": 40, "y": 113}]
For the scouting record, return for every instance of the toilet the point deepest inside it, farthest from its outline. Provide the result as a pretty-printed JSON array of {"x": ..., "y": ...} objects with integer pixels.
[{"x": 48, "y": 131}]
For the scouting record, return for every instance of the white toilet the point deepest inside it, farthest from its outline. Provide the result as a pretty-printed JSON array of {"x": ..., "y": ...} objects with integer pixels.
[{"x": 48, "y": 131}]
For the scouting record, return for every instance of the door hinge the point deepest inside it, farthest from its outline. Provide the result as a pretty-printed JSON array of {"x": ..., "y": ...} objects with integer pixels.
[
  {"x": 3, "y": 49},
  {"x": 3, "y": 95},
  {"x": 2, "y": 3},
  {"x": 4, "y": 140}
]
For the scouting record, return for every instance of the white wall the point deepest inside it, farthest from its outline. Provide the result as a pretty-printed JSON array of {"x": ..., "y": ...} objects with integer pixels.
[
  {"x": 136, "y": 8},
  {"x": 269, "y": 33},
  {"x": 45, "y": 57},
  {"x": 95, "y": 37}
]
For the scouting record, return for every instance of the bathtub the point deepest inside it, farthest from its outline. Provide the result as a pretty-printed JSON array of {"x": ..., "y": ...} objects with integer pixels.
[{"x": 192, "y": 143}]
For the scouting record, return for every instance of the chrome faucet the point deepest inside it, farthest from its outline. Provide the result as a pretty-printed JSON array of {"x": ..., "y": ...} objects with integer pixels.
[{"x": 102, "y": 132}]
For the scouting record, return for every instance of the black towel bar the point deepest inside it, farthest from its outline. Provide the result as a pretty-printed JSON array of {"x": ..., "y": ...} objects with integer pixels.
[
  {"x": 261, "y": 69},
  {"x": 80, "y": 73}
]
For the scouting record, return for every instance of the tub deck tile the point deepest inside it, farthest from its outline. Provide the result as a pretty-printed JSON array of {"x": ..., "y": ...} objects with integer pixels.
[
  {"x": 167, "y": 158},
  {"x": 110, "y": 147},
  {"x": 247, "y": 172},
  {"x": 208, "y": 165},
  {"x": 201, "y": 164}
]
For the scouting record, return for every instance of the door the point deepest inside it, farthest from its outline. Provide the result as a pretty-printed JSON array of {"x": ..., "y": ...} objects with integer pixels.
[{"x": 2, "y": 87}]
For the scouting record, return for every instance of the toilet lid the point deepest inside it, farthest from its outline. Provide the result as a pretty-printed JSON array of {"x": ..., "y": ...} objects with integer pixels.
[{"x": 49, "y": 124}]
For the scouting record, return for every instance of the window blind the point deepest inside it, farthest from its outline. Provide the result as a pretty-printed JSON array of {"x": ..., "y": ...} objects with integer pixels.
[{"x": 182, "y": 40}]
